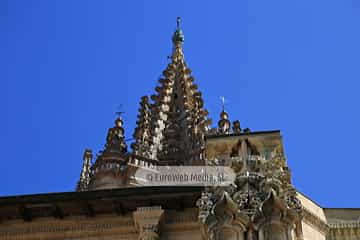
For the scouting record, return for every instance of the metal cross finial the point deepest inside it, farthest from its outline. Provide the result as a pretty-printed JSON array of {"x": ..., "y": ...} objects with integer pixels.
[
  {"x": 119, "y": 113},
  {"x": 222, "y": 98},
  {"x": 178, "y": 20}
]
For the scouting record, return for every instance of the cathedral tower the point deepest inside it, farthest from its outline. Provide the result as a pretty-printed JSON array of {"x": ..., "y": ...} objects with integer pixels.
[{"x": 172, "y": 129}]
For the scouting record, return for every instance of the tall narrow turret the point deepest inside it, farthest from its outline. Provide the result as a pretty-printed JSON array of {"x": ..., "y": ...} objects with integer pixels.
[
  {"x": 142, "y": 134},
  {"x": 85, "y": 175}
]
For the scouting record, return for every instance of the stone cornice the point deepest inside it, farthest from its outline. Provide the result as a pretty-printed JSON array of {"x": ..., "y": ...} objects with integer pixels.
[
  {"x": 345, "y": 224},
  {"x": 71, "y": 228},
  {"x": 110, "y": 201},
  {"x": 344, "y": 231},
  {"x": 314, "y": 220},
  {"x": 98, "y": 225}
]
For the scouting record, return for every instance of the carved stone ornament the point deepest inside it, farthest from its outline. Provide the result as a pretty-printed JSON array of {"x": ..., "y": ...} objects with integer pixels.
[
  {"x": 147, "y": 221},
  {"x": 261, "y": 204}
]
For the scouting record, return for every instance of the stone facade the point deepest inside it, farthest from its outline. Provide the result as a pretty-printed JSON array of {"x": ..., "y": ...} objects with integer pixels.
[
  {"x": 173, "y": 129},
  {"x": 163, "y": 221}
]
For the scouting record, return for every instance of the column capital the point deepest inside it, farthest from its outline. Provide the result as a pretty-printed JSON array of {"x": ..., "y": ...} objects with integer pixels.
[{"x": 147, "y": 221}]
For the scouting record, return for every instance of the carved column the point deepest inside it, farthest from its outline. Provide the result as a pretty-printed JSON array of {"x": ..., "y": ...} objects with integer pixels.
[{"x": 147, "y": 220}]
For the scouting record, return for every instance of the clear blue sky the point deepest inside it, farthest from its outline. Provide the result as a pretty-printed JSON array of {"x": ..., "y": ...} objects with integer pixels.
[{"x": 65, "y": 67}]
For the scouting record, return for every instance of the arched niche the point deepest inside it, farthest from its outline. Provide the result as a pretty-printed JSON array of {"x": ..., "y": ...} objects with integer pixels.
[
  {"x": 276, "y": 222},
  {"x": 225, "y": 222}
]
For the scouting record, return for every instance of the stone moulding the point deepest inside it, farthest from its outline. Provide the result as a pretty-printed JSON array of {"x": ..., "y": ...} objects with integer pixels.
[
  {"x": 173, "y": 221},
  {"x": 66, "y": 227},
  {"x": 345, "y": 230},
  {"x": 350, "y": 224},
  {"x": 344, "y": 233},
  {"x": 315, "y": 221}
]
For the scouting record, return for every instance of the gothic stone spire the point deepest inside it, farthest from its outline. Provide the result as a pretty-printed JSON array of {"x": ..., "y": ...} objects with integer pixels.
[
  {"x": 142, "y": 134},
  {"x": 179, "y": 117},
  {"x": 85, "y": 171}
]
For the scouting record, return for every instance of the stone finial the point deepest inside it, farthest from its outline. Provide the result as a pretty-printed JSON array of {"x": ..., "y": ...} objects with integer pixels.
[
  {"x": 87, "y": 155},
  {"x": 115, "y": 140},
  {"x": 224, "y": 123},
  {"x": 247, "y": 130},
  {"x": 178, "y": 37},
  {"x": 236, "y": 127}
]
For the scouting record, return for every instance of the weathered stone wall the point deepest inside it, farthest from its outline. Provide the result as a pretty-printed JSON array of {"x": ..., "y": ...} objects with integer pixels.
[
  {"x": 314, "y": 222},
  {"x": 173, "y": 225}
]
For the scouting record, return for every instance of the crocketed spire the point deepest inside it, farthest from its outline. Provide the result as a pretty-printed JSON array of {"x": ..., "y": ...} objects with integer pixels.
[
  {"x": 85, "y": 175},
  {"x": 179, "y": 117},
  {"x": 142, "y": 133}
]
